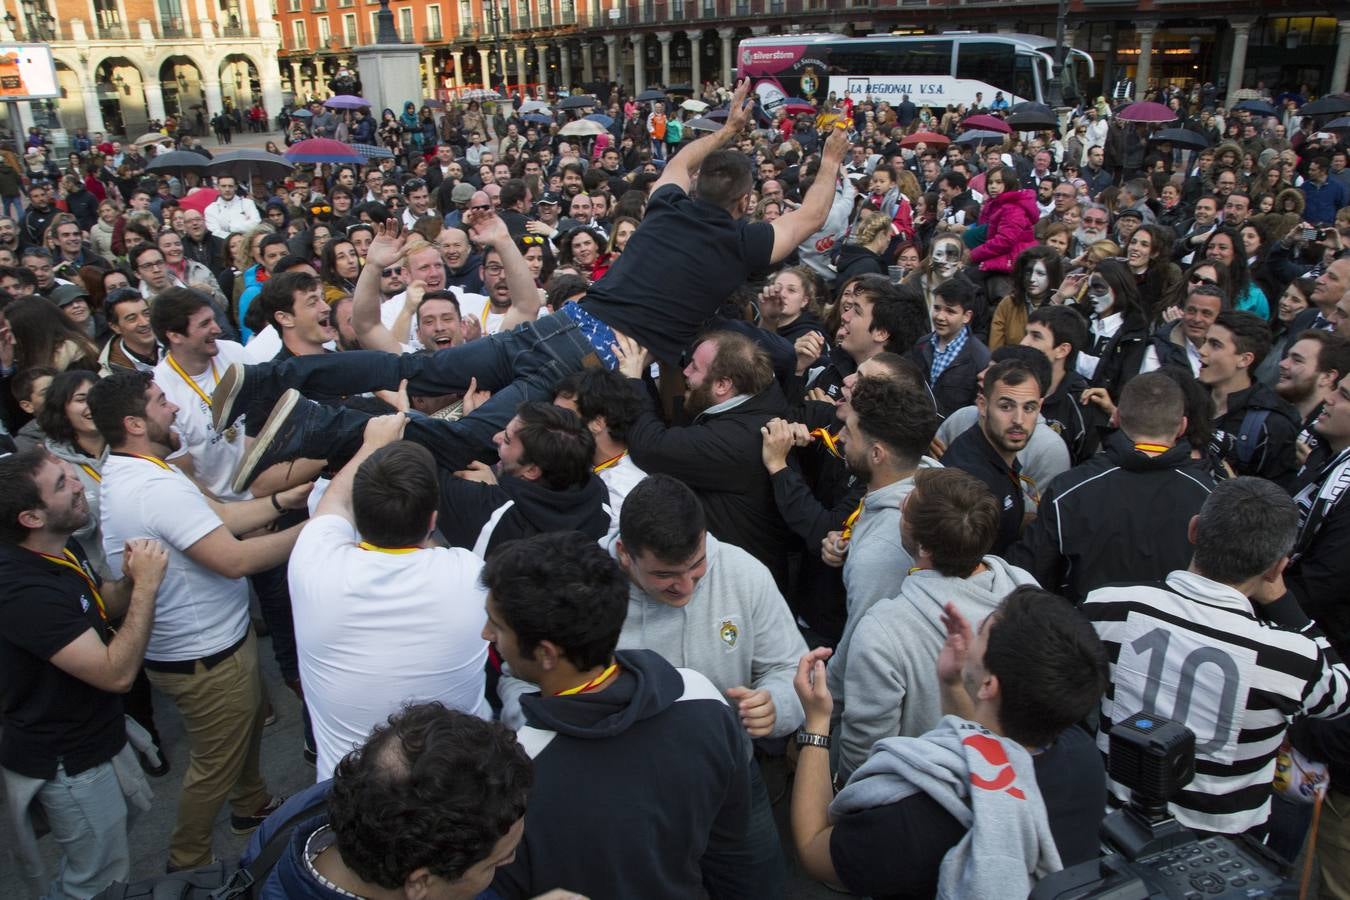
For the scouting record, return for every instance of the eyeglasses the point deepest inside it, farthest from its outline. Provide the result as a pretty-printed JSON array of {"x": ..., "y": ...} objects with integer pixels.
[
  {"x": 494, "y": 269},
  {"x": 391, "y": 272},
  {"x": 1200, "y": 279},
  {"x": 530, "y": 240},
  {"x": 320, "y": 210},
  {"x": 157, "y": 264},
  {"x": 1095, "y": 220}
]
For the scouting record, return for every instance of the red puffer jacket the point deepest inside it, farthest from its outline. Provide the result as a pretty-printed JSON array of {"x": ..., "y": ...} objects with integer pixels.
[{"x": 1011, "y": 217}]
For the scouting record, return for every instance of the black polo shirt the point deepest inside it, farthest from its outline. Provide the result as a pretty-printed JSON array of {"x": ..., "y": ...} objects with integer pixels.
[
  {"x": 971, "y": 452},
  {"x": 48, "y": 715},
  {"x": 676, "y": 271}
]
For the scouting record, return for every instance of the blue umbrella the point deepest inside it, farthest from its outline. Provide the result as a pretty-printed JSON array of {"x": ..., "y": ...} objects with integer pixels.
[
  {"x": 601, "y": 118},
  {"x": 346, "y": 101},
  {"x": 538, "y": 119},
  {"x": 301, "y": 114},
  {"x": 981, "y": 136},
  {"x": 373, "y": 151},
  {"x": 1260, "y": 107}
]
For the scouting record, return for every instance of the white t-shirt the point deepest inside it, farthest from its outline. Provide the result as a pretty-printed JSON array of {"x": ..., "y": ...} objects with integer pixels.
[
  {"x": 375, "y": 630},
  {"x": 214, "y": 458},
  {"x": 198, "y": 612},
  {"x": 619, "y": 479}
]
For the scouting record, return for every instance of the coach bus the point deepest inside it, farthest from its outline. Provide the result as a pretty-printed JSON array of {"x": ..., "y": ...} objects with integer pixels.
[{"x": 936, "y": 70}]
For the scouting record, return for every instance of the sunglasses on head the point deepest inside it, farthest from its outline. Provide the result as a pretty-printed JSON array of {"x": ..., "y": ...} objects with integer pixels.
[
  {"x": 320, "y": 210},
  {"x": 531, "y": 239}
]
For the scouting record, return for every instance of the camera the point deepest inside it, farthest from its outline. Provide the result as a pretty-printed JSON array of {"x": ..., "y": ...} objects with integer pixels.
[
  {"x": 1314, "y": 234},
  {"x": 1152, "y": 855}
]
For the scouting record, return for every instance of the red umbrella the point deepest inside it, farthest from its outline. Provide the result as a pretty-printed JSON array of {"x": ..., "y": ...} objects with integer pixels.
[
  {"x": 323, "y": 150},
  {"x": 1146, "y": 111},
  {"x": 795, "y": 106},
  {"x": 199, "y": 199},
  {"x": 929, "y": 138},
  {"x": 987, "y": 123}
]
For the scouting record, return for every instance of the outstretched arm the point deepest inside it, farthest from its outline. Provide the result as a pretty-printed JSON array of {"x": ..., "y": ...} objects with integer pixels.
[
  {"x": 791, "y": 228},
  {"x": 488, "y": 229},
  {"x": 385, "y": 250},
  {"x": 681, "y": 167}
]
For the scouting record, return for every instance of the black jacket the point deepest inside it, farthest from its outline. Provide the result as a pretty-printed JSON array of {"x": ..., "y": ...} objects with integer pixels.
[
  {"x": 956, "y": 387},
  {"x": 33, "y": 226},
  {"x": 1169, "y": 352},
  {"x": 1273, "y": 455},
  {"x": 83, "y": 205},
  {"x": 1123, "y": 356},
  {"x": 640, "y": 790},
  {"x": 1319, "y": 576},
  {"x": 488, "y": 515},
  {"x": 1077, "y": 424},
  {"x": 855, "y": 260},
  {"x": 1122, "y": 516},
  {"x": 972, "y": 453},
  {"x": 718, "y": 456}
]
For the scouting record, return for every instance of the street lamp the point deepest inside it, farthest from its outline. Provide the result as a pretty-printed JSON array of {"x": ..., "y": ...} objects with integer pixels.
[{"x": 1054, "y": 91}]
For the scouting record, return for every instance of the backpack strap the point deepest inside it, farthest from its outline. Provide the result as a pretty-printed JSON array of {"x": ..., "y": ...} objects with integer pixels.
[
  {"x": 247, "y": 881},
  {"x": 1249, "y": 434}
]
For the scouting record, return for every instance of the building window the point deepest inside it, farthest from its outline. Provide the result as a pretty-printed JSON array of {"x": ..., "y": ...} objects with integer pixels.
[
  {"x": 299, "y": 39},
  {"x": 465, "y": 17},
  {"x": 405, "y": 23},
  {"x": 325, "y": 32},
  {"x": 434, "y": 23},
  {"x": 523, "y": 14},
  {"x": 350, "y": 36}
]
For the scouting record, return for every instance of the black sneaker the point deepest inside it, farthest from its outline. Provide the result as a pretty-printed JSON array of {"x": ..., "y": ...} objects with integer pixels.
[
  {"x": 242, "y": 825},
  {"x": 154, "y": 771},
  {"x": 278, "y": 441},
  {"x": 225, "y": 405},
  {"x": 310, "y": 753}
]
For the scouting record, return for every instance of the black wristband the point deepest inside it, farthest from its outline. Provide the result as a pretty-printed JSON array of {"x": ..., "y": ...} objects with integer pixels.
[{"x": 277, "y": 506}]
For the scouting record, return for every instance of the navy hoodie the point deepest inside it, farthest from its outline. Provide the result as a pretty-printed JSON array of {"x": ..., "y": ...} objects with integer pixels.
[
  {"x": 481, "y": 517},
  {"x": 638, "y": 790}
]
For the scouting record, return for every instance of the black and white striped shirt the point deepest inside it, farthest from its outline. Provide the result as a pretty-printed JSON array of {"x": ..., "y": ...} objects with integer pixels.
[{"x": 1193, "y": 650}]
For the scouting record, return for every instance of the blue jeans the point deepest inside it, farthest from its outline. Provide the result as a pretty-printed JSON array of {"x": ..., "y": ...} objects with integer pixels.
[
  {"x": 517, "y": 366},
  {"x": 88, "y": 818}
]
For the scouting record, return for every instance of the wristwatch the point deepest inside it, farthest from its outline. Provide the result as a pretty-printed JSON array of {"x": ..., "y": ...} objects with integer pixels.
[{"x": 807, "y": 739}]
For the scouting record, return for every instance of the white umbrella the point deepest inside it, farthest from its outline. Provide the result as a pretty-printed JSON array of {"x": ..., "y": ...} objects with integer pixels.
[
  {"x": 694, "y": 106},
  {"x": 582, "y": 128},
  {"x": 480, "y": 94},
  {"x": 530, "y": 106}
]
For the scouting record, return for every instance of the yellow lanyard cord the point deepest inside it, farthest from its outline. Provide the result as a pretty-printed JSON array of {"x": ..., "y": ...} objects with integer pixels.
[{"x": 173, "y": 364}]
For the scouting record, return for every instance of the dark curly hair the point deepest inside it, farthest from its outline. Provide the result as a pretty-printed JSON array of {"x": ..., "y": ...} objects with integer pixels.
[
  {"x": 433, "y": 788},
  {"x": 560, "y": 587}
]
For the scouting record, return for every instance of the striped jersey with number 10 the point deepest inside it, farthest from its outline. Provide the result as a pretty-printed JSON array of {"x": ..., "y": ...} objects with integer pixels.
[{"x": 1194, "y": 651}]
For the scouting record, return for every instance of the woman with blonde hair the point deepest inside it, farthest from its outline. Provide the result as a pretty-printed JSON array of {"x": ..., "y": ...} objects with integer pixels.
[{"x": 863, "y": 254}]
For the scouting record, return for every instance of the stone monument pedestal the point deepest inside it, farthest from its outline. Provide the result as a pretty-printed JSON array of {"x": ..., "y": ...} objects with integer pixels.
[{"x": 391, "y": 75}]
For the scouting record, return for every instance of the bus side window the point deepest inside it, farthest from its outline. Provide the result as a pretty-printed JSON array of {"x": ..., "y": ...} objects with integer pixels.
[
  {"x": 989, "y": 62},
  {"x": 1024, "y": 84}
]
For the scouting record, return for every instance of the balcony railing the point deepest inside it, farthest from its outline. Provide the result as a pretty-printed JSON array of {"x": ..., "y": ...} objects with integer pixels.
[
  {"x": 233, "y": 31},
  {"x": 292, "y": 43},
  {"x": 112, "y": 32},
  {"x": 432, "y": 34},
  {"x": 173, "y": 29},
  {"x": 350, "y": 38}
]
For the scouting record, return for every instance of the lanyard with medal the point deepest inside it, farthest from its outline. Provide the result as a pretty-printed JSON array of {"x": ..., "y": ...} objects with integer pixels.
[
  {"x": 229, "y": 433},
  {"x": 68, "y": 561}
]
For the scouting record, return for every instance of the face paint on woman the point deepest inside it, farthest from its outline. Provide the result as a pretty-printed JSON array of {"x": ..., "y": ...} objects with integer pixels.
[
  {"x": 1102, "y": 297},
  {"x": 946, "y": 259},
  {"x": 1037, "y": 279}
]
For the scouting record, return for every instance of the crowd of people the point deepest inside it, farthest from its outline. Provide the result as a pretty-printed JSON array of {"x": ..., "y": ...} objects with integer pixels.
[{"x": 573, "y": 479}]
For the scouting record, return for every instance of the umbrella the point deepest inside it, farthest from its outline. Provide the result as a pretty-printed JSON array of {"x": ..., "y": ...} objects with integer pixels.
[
  {"x": 1260, "y": 107},
  {"x": 153, "y": 137},
  {"x": 1147, "y": 111},
  {"x": 987, "y": 123},
  {"x": 720, "y": 115},
  {"x": 582, "y": 128},
  {"x": 580, "y": 101},
  {"x": 346, "y": 101},
  {"x": 981, "y": 136},
  {"x": 244, "y": 164},
  {"x": 703, "y": 123},
  {"x": 530, "y": 106},
  {"x": 199, "y": 199},
  {"x": 1181, "y": 137},
  {"x": 373, "y": 151},
  {"x": 178, "y": 161},
  {"x": 322, "y": 150},
  {"x": 794, "y": 106},
  {"x": 929, "y": 138},
  {"x": 1330, "y": 105},
  {"x": 1030, "y": 116},
  {"x": 650, "y": 95},
  {"x": 603, "y": 119},
  {"x": 1341, "y": 124},
  {"x": 679, "y": 89},
  {"x": 694, "y": 106},
  {"x": 301, "y": 114},
  {"x": 538, "y": 119},
  {"x": 479, "y": 94}
]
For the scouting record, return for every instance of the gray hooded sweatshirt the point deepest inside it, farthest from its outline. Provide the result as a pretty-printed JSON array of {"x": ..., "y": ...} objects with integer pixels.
[
  {"x": 876, "y": 564},
  {"x": 987, "y": 783},
  {"x": 890, "y": 678},
  {"x": 736, "y": 630}
]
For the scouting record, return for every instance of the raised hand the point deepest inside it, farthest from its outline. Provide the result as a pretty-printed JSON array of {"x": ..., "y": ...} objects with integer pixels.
[{"x": 387, "y": 246}]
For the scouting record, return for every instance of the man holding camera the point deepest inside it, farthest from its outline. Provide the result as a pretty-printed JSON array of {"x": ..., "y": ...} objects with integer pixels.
[{"x": 1224, "y": 649}]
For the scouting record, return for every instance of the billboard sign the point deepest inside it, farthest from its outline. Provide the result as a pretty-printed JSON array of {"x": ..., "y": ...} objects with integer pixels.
[{"x": 27, "y": 72}]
